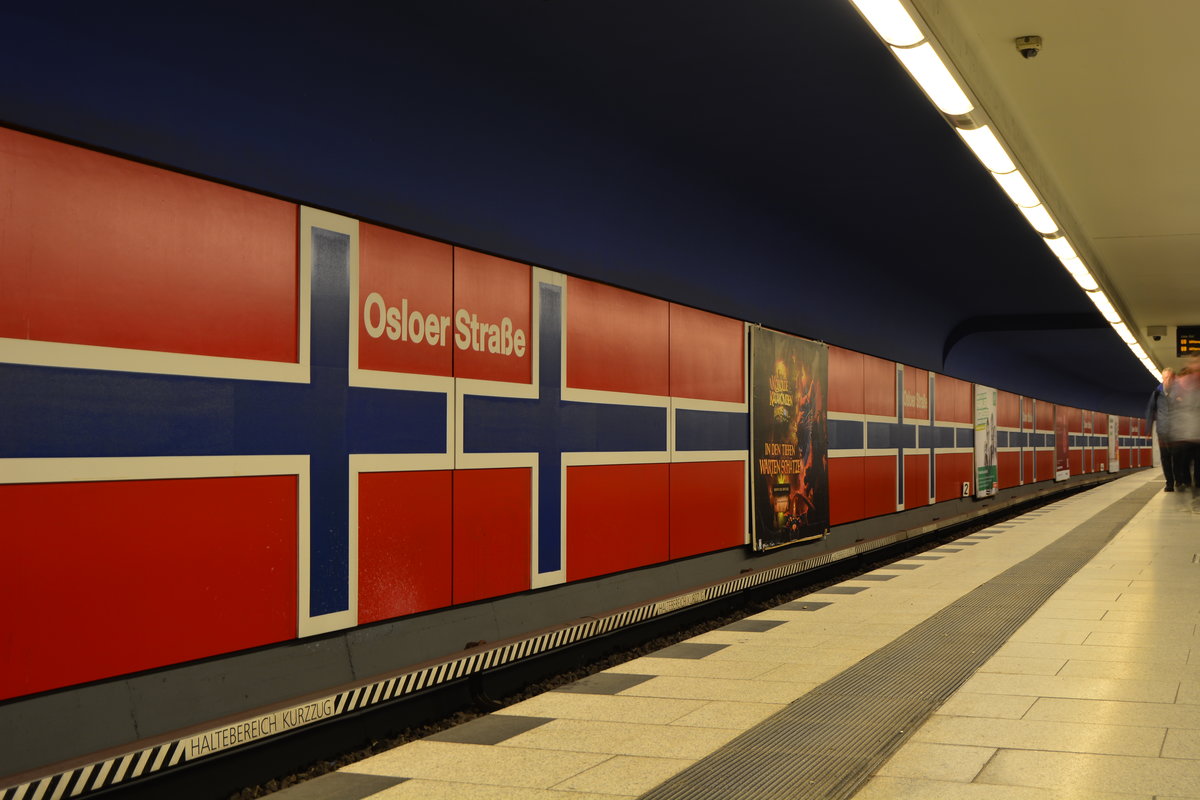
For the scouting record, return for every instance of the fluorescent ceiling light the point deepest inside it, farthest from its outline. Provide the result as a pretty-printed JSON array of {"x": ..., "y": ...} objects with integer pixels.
[
  {"x": 927, "y": 69},
  {"x": 1039, "y": 218},
  {"x": 987, "y": 148},
  {"x": 1139, "y": 352},
  {"x": 1123, "y": 331},
  {"x": 1017, "y": 188},
  {"x": 1106, "y": 307},
  {"x": 1080, "y": 273},
  {"x": 1061, "y": 247},
  {"x": 890, "y": 21}
]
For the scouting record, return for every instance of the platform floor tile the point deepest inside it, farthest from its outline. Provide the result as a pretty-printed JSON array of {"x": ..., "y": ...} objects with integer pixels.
[
  {"x": 997, "y": 706},
  {"x": 886, "y": 788},
  {"x": 751, "y": 625},
  {"x": 608, "y": 708},
  {"x": 625, "y": 774},
  {"x": 620, "y": 738},
  {"x": 1168, "y": 715},
  {"x": 714, "y": 689},
  {"x": 938, "y": 762},
  {"x": 450, "y": 790},
  {"x": 338, "y": 786},
  {"x": 1171, "y": 654},
  {"x": 732, "y": 716},
  {"x": 1093, "y": 737},
  {"x": 1081, "y": 773},
  {"x": 706, "y": 668},
  {"x": 493, "y": 765},
  {"x": 1024, "y": 666},
  {"x": 492, "y": 729},
  {"x": 692, "y": 650},
  {"x": 604, "y": 683}
]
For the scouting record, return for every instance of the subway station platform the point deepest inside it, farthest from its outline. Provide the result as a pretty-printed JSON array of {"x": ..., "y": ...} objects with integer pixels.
[{"x": 1055, "y": 655}]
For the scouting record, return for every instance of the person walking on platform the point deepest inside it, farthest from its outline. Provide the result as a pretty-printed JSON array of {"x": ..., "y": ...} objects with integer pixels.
[
  {"x": 1159, "y": 412},
  {"x": 1185, "y": 423}
]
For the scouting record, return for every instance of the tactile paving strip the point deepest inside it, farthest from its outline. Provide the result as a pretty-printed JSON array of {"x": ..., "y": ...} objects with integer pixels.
[{"x": 829, "y": 742}]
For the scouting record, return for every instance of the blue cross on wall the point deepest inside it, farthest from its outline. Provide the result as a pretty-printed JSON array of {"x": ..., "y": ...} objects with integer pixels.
[
  {"x": 53, "y": 412},
  {"x": 550, "y": 426}
]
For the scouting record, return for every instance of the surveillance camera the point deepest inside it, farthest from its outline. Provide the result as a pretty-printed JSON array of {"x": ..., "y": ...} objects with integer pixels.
[
  {"x": 1157, "y": 338},
  {"x": 1029, "y": 46}
]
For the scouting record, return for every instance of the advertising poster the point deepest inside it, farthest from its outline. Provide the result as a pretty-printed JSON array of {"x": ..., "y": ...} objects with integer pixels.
[
  {"x": 789, "y": 473},
  {"x": 986, "y": 465},
  {"x": 1062, "y": 445},
  {"x": 1114, "y": 461}
]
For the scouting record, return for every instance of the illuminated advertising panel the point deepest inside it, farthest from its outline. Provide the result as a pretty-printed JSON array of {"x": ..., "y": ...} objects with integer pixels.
[{"x": 788, "y": 433}]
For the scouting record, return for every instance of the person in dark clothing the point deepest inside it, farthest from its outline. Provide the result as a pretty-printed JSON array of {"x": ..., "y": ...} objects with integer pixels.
[
  {"x": 1184, "y": 397},
  {"x": 1159, "y": 411}
]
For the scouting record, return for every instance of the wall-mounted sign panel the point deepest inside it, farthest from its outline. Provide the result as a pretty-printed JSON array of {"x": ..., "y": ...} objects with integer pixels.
[
  {"x": 1188, "y": 340},
  {"x": 986, "y": 462},
  {"x": 788, "y": 434}
]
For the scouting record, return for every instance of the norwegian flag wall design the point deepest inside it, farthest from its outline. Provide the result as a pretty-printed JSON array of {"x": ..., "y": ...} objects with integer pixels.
[
  {"x": 200, "y": 439},
  {"x": 572, "y": 457}
]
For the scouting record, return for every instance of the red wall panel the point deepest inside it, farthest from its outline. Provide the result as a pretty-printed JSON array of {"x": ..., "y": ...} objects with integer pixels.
[
  {"x": 879, "y": 387},
  {"x": 1045, "y": 416},
  {"x": 1008, "y": 410},
  {"x": 916, "y": 394},
  {"x": 617, "y": 518},
  {"x": 845, "y": 381},
  {"x": 879, "y": 473},
  {"x": 1009, "y": 469},
  {"x": 404, "y": 543},
  {"x": 707, "y": 355},
  {"x": 491, "y": 532},
  {"x": 120, "y": 576},
  {"x": 916, "y": 481},
  {"x": 1027, "y": 415},
  {"x": 954, "y": 400},
  {"x": 1045, "y": 465},
  {"x": 98, "y": 250},
  {"x": 617, "y": 341},
  {"x": 953, "y": 469},
  {"x": 707, "y": 507},
  {"x": 414, "y": 276},
  {"x": 847, "y": 490},
  {"x": 487, "y": 292}
]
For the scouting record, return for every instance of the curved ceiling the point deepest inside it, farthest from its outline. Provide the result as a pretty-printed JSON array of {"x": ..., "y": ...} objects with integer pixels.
[{"x": 768, "y": 160}]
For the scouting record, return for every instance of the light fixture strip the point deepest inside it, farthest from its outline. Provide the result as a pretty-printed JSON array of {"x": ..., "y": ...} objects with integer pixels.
[
  {"x": 896, "y": 27},
  {"x": 1080, "y": 273},
  {"x": 1017, "y": 188},
  {"x": 927, "y": 69},
  {"x": 1061, "y": 247},
  {"x": 987, "y": 148},
  {"x": 1123, "y": 331},
  {"x": 891, "y": 21},
  {"x": 1039, "y": 218},
  {"x": 1101, "y": 301}
]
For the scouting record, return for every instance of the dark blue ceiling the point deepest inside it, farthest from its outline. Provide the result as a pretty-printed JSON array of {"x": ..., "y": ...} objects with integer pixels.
[{"x": 763, "y": 159}]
